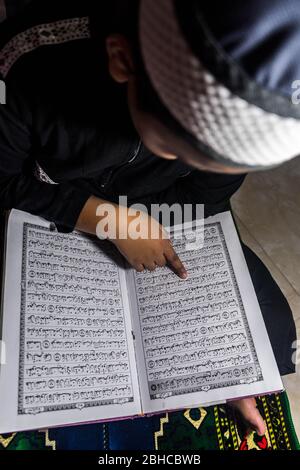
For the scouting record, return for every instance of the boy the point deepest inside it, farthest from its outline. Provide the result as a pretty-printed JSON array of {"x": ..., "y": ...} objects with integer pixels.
[{"x": 92, "y": 103}]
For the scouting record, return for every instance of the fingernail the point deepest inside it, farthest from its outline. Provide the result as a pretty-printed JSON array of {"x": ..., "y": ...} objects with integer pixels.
[{"x": 184, "y": 274}]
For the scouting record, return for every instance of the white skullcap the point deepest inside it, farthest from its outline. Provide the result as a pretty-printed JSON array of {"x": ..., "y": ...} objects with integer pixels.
[{"x": 235, "y": 129}]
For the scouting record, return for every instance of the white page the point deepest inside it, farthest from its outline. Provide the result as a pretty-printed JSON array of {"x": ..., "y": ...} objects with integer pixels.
[
  {"x": 63, "y": 333},
  {"x": 198, "y": 343}
]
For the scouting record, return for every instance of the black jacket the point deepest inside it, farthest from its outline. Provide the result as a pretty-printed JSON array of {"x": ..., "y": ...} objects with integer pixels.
[{"x": 67, "y": 122}]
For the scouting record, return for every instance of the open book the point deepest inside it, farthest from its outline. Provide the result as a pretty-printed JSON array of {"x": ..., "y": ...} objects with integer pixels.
[{"x": 86, "y": 338}]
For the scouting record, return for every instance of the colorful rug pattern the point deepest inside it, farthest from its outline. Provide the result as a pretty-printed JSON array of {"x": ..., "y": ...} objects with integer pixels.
[{"x": 215, "y": 428}]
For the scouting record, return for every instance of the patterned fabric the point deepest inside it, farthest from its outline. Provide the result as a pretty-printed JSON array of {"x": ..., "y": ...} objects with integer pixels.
[
  {"x": 213, "y": 428},
  {"x": 57, "y": 32},
  {"x": 41, "y": 175},
  {"x": 235, "y": 129}
]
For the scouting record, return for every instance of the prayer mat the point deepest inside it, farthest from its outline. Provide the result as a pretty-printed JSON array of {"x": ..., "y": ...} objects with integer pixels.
[{"x": 212, "y": 428}]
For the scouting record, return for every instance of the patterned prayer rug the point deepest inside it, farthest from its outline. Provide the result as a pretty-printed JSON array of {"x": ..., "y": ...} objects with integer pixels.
[{"x": 215, "y": 428}]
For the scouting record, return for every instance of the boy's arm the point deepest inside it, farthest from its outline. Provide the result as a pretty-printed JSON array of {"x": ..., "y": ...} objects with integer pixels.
[
  {"x": 19, "y": 188},
  {"x": 62, "y": 204}
]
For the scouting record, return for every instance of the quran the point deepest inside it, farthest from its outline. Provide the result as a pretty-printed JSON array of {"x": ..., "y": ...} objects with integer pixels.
[{"x": 86, "y": 338}]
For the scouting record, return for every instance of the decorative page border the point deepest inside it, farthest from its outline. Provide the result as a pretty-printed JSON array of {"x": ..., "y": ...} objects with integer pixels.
[
  {"x": 42, "y": 409},
  {"x": 229, "y": 383}
]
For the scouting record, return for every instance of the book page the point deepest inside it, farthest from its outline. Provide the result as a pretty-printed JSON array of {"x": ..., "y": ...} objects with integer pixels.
[
  {"x": 66, "y": 329},
  {"x": 201, "y": 340}
]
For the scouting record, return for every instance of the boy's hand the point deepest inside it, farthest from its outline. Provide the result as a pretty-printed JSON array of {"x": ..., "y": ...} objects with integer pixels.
[{"x": 148, "y": 253}]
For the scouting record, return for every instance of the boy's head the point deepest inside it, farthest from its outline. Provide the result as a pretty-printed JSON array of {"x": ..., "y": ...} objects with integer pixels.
[{"x": 209, "y": 85}]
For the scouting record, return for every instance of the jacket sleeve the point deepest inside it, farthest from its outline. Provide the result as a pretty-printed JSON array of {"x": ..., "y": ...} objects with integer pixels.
[
  {"x": 210, "y": 188},
  {"x": 199, "y": 187},
  {"x": 19, "y": 189}
]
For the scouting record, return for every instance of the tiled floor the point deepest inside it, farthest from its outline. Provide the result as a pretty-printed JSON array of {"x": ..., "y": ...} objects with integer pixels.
[{"x": 267, "y": 208}]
